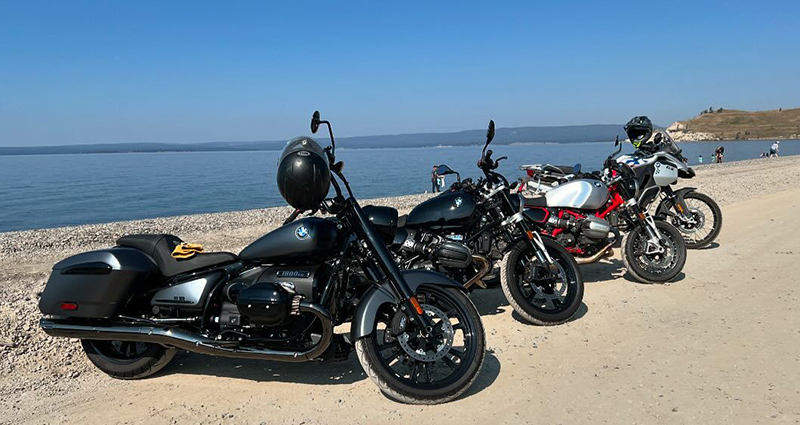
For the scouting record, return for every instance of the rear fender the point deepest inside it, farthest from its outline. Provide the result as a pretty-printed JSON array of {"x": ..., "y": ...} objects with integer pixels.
[{"x": 378, "y": 296}]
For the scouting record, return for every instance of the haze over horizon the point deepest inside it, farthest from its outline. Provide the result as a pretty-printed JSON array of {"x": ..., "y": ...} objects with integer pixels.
[{"x": 189, "y": 72}]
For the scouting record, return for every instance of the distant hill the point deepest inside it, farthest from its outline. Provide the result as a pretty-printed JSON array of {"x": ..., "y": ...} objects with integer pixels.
[
  {"x": 504, "y": 136},
  {"x": 736, "y": 124}
]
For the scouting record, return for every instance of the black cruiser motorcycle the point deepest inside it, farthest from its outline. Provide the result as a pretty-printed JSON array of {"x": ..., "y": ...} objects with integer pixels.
[
  {"x": 416, "y": 333},
  {"x": 463, "y": 231}
]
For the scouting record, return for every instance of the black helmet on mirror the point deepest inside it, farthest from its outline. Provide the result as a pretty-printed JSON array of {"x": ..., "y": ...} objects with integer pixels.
[
  {"x": 639, "y": 130},
  {"x": 304, "y": 175}
]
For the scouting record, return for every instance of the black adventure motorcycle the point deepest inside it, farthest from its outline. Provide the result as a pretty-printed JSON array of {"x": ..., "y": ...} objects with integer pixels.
[
  {"x": 463, "y": 231},
  {"x": 416, "y": 333}
]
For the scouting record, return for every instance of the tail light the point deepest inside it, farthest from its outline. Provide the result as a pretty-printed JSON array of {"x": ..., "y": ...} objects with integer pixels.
[{"x": 69, "y": 306}]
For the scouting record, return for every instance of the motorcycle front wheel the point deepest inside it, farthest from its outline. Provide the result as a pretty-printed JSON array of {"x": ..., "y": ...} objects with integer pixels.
[
  {"x": 411, "y": 368},
  {"x": 543, "y": 295},
  {"x": 657, "y": 267},
  {"x": 706, "y": 221}
]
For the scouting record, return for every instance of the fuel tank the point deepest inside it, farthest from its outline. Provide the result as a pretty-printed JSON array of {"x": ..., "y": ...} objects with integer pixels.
[
  {"x": 585, "y": 194},
  {"x": 307, "y": 240},
  {"x": 448, "y": 210}
]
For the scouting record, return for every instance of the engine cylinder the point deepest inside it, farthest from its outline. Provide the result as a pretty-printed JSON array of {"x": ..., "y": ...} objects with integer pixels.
[
  {"x": 453, "y": 255},
  {"x": 595, "y": 228},
  {"x": 264, "y": 303}
]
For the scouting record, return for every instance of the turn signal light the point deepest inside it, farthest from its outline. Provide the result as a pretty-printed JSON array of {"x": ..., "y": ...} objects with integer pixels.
[{"x": 69, "y": 306}]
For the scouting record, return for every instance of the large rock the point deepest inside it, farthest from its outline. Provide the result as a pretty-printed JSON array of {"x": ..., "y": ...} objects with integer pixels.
[{"x": 679, "y": 132}]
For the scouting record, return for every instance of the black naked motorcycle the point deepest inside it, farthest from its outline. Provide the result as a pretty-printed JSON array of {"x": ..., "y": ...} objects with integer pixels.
[
  {"x": 463, "y": 231},
  {"x": 416, "y": 333}
]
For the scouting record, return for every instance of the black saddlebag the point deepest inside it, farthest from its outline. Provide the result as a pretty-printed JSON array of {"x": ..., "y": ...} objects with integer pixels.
[{"x": 96, "y": 284}]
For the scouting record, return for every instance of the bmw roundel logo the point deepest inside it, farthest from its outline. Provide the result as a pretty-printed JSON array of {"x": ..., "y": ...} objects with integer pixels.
[
  {"x": 301, "y": 232},
  {"x": 457, "y": 202}
]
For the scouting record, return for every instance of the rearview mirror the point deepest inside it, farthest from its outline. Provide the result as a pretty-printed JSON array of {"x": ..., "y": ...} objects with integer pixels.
[
  {"x": 315, "y": 122},
  {"x": 576, "y": 168},
  {"x": 490, "y": 132},
  {"x": 616, "y": 142},
  {"x": 444, "y": 170}
]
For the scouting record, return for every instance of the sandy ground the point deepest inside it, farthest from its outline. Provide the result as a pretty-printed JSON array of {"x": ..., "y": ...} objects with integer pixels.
[{"x": 720, "y": 345}]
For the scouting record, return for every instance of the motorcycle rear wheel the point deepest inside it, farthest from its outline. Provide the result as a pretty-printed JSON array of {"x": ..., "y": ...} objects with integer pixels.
[
  {"x": 539, "y": 301},
  {"x": 127, "y": 359},
  {"x": 407, "y": 372},
  {"x": 645, "y": 268}
]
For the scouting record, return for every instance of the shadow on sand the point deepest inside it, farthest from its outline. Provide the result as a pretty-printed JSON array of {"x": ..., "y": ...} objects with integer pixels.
[
  {"x": 309, "y": 373},
  {"x": 613, "y": 269},
  {"x": 493, "y": 301}
]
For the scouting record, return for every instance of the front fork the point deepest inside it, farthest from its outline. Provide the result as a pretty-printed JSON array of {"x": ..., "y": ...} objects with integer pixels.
[
  {"x": 679, "y": 205},
  {"x": 654, "y": 241},
  {"x": 408, "y": 300},
  {"x": 535, "y": 242}
]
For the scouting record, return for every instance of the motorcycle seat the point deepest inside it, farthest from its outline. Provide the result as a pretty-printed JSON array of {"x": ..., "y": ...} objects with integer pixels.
[
  {"x": 564, "y": 169},
  {"x": 538, "y": 201},
  {"x": 401, "y": 221},
  {"x": 160, "y": 246}
]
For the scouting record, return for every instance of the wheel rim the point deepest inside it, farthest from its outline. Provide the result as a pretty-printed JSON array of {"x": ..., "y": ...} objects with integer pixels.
[
  {"x": 704, "y": 221},
  {"x": 120, "y": 352},
  {"x": 546, "y": 289},
  {"x": 424, "y": 363},
  {"x": 660, "y": 263}
]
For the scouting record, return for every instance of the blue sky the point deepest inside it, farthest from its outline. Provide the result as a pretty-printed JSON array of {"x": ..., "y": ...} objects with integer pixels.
[{"x": 170, "y": 71}]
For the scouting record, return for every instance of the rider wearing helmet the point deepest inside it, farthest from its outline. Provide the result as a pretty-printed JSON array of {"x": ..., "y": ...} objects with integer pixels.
[
  {"x": 304, "y": 174},
  {"x": 639, "y": 130}
]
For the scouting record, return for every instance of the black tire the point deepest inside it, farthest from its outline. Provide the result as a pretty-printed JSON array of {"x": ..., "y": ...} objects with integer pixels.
[
  {"x": 522, "y": 295},
  {"x": 126, "y": 359},
  {"x": 382, "y": 368},
  {"x": 634, "y": 258},
  {"x": 702, "y": 206}
]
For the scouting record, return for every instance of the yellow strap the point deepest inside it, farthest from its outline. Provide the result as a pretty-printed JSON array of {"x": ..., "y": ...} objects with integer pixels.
[{"x": 186, "y": 250}]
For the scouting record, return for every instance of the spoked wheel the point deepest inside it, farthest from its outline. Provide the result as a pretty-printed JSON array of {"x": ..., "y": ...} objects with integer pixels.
[
  {"x": 542, "y": 294},
  {"x": 127, "y": 359},
  {"x": 705, "y": 223},
  {"x": 411, "y": 367},
  {"x": 650, "y": 264}
]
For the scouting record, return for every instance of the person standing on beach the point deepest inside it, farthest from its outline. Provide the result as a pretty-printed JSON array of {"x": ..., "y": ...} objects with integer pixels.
[
  {"x": 773, "y": 150},
  {"x": 700, "y": 159},
  {"x": 434, "y": 180},
  {"x": 718, "y": 153}
]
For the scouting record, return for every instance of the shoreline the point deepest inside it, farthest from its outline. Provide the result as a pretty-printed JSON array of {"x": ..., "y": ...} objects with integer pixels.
[{"x": 70, "y": 239}]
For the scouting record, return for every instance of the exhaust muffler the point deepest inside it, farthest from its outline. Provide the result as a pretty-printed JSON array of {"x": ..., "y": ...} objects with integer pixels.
[{"x": 181, "y": 339}]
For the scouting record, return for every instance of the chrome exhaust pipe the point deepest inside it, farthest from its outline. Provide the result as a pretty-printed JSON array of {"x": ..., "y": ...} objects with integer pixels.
[
  {"x": 484, "y": 269},
  {"x": 181, "y": 339}
]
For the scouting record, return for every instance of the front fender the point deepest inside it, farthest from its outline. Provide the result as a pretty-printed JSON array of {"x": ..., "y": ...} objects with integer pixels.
[
  {"x": 367, "y": 310},
  {"x": 663, "y": 207}
]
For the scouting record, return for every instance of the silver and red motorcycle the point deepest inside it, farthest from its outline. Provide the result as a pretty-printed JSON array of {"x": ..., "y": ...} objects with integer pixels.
[
  {"x": 696, "y": 215},
  {"x": 588, "y": 212}
]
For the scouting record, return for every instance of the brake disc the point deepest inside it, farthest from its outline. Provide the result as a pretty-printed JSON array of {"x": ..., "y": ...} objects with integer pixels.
[{"x": 442, "y": 347}]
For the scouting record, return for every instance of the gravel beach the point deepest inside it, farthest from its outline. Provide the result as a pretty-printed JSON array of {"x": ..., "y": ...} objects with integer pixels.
[{"x": 700, "y": 350}]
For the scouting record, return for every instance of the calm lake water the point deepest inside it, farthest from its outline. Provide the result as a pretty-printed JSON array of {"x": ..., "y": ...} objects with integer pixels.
[{"x": 42, "y": 191}]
